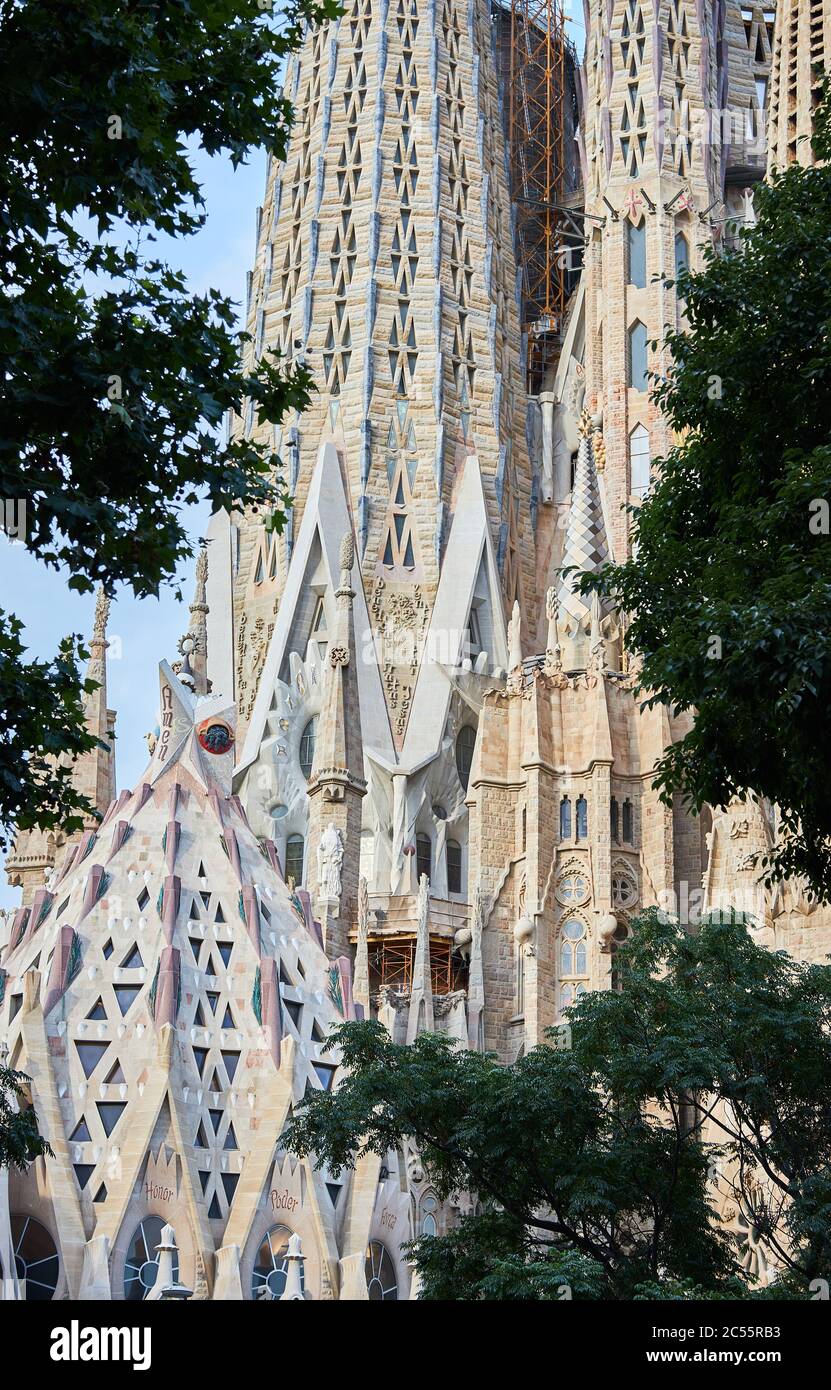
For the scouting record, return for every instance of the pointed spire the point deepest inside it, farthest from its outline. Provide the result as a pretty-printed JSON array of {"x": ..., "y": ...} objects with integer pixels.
[
  {"x": 586, "y": 548},
  {"x": 360, "y": 986},
  {"x": 476, "y": 977},
  {"x": 94, "y": 772},
  {"x": 193, "y": 670},
  {"x": 421, "y": 999},
  {"x": 338, "y": 749}
]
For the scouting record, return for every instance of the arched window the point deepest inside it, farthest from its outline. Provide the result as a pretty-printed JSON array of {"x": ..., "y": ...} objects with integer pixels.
[
  {"x": 627, "y": 822},
  {"x": 424, "y": 855},
  {"x": 574, "y": 966},
  {"x": 682, "y": 254},
  {"x": 36, "y": 1258},
  {"x": 379, "y": 1268},
  {"x": 614, "y": 820},
  {"x": 465, "y": 744},
  {"x": 573, "y": 950},
  {"x": 636, "y": 364},
  {"x": 639, "y": 461},
  {"x": 294, "y": 858},
  {"x": 636, "y": 253},
  {"x": 142, "y": 1263},
  {"x": 454, "y": 866},
  {"x": 582, "y": 810},
  {"x": 272, "y": 1264},
  {"x": 620, "y": 935},
  {"x": 308, "y": 740},
  {"x": 565, "y": 819},
  {"x": 429, "y": 1225}
]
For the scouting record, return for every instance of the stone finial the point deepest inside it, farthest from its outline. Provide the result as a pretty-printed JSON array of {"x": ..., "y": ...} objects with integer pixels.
[
  {"x": 102, "y": 614},
  {"x": 201, "y": 576},
  {"x": 585, "y": 425},
  {"x": 347, "y": 553}
]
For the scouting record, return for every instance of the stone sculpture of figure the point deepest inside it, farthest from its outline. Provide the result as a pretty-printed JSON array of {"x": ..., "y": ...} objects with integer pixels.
[
  {"x": 329, "y": 861},
  {"x": 515, "y": 639}
]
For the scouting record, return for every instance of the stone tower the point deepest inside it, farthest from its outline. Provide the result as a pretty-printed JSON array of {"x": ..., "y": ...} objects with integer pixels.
[
  {"x": 802, "y": 53},
  {"x": 168, "y": 999},
  {"x": 385, "y": 262},
  {"x": 36, "y": 852},
  {"x": 671, "y": 144}
]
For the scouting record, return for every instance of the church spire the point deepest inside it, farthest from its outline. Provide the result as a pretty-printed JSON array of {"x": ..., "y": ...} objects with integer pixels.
[
  {"x": 193, "y": 671},
  {"x": 95, "y": 771},
  {"x": 35, "y": 852},
  {"x": 337, "y": 783},
  {"x": 586, "y": 550}
]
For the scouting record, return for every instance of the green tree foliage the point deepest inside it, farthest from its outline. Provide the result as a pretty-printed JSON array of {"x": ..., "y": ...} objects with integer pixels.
[
  {"x": 598, "y": 1166},
  {"x": 115, "y": 377},
  {"x": 20, "y": 1141},
  {"x": 730, "y": 587}
]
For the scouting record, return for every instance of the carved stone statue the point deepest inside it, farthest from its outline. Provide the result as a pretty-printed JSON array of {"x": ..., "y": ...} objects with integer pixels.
[
  {"x": 515, "y": 638},
  {"x": 329, "y": 862}
]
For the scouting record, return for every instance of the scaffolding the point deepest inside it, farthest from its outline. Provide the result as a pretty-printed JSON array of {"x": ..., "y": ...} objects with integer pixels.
[
  {"x": 391, "y": 961},
  {"x": 549, "y": 240}
]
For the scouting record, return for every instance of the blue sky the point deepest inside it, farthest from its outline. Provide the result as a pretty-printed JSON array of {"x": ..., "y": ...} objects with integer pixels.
[{"x": 143, "y": 632}]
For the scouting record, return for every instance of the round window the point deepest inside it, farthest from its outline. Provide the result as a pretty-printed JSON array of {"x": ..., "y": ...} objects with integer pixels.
[
  {"x": 36, "y": 1258},
  {"x": 381, "y": 1279},
  {"x": 142, "y": 1263},
  {"x": 215, "y": 736},
  {"x": 271, "y": 1264},
  {"x": 572, "y": 888}
]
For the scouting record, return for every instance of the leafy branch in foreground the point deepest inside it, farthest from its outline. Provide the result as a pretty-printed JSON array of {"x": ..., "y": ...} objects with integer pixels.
[
  {"x": 706, "y": 1082},
  {"x": 20, "y": 1142},
  {"x": 729, "y": 584},
  {"x": 116, "y": 376}
]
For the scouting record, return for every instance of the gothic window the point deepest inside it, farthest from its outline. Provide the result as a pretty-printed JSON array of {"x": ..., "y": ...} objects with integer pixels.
[
  {"x": 271, "y": 1265},
  {"x": 627, "y": 822},
  {"x": 454, "y": 866},
  {"x": 682, "y": 254},
  {"x": 574, "y": 967},
  {"x": 465, "y": 744},
  {"x": 614, "y": 820},
  {"x": 639, "y": 461},
  {"x": 142, "y": 1264},
  {"x": 307, "y": 747},
  {"x": 36, "y": 1258},
  {"x": 582, "y": 818},
  {"x": 636, "y": 357},
  {"x": 565, "y": 819},
  {"x": 379, "y": 1269},
  {"x": 424, "y": 855},
  {"x": 294, "y": 858},
  {"x": 429, "y": 1225},
  {"x": 636, "y": 253}
]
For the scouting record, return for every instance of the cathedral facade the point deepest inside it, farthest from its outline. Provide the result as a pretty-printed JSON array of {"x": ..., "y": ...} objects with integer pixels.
[{"x": 402, "y": 769}]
